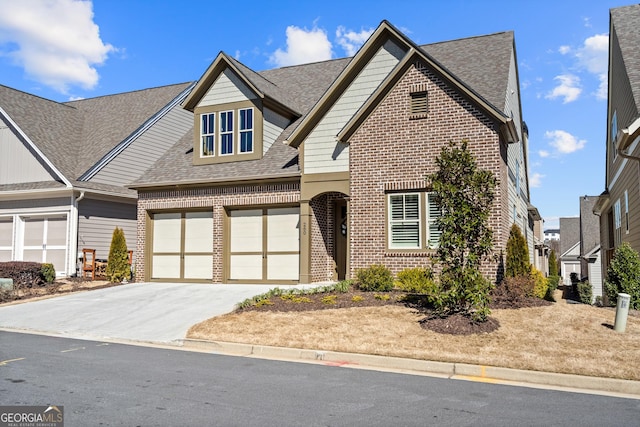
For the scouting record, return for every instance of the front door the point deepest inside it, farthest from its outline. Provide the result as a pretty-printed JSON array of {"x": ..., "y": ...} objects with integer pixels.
[{"x": 264, "y": 245}]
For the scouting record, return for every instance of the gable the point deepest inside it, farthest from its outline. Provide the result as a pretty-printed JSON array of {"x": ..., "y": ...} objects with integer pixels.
[
  {"x": 227, "y": 88},
  {"x": 322, "y": 154},
  {"x": 18, "y": 164}
]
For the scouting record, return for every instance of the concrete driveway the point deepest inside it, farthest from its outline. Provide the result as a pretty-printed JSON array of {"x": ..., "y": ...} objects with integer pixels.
[{"x": 151, "y": 312}]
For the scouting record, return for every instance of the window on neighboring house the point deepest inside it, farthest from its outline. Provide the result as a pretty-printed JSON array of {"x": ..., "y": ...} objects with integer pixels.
[
  {"x": 614, "y": 133},
  {"x": 626, "y": 211},
  {"x": 208, "y": 134},
  {"x": 617, "y": 224},
  {"x": 226, "y": 133},
  {"x": 408, "y": 227},
  {"x": 246, "y": 130}
]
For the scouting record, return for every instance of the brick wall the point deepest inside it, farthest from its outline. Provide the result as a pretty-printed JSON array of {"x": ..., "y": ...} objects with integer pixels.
[
  {"x": 215, "y": 198},
  {"x": 392, "y": 151}
]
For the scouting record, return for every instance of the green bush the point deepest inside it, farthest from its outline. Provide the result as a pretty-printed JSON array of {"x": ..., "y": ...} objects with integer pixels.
[
  {"x": 375, "y": 278},
  {"x": 585, "y": 292},
  {"x": 554, "y": 281},
  {"x": 623, "y": 275},
  {"x": 48, "y": 272},
  {"x": 118, "y": 268},
  {"x": 517, "y": 263},
  {"x": 417, "y": 280},
  {"x": 540, "y": 284},
  {"x": 553, "y": 264}
]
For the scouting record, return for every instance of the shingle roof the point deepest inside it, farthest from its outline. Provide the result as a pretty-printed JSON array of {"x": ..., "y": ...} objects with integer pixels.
[
  {"x": 75, "y": 135},
  {"x": 480, "y": 62},
  {"x": 626, "y": 23}
]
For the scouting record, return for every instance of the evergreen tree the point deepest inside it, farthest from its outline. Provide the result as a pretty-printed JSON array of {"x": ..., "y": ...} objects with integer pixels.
[
  {"x": 553, "y": 264},
  {"x": 465, "y": 194},
  {"x": 118, "y": 263},
  {"x": 517, "y": 263}
]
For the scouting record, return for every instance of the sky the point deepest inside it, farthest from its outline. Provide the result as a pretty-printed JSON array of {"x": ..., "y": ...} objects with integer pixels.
[{"x": 69, "y": 49}]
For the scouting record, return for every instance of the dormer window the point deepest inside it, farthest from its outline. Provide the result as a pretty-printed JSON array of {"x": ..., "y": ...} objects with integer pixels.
[{"x": 228, "y": 133}]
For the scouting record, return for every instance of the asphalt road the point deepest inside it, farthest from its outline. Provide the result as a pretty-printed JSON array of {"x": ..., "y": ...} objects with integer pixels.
[{"x": 106, "y": 384}]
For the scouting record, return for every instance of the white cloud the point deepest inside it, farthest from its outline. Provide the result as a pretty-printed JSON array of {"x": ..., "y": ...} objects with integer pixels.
[
  {"x": 543, "y": 153},
  {"x": 351, "y": 41},
  {"x": 563, "y": 142},
  {"x": 535, "y": 180},
  {"x": 303, "y": 46},
  {"x": 56, "y": 42},
  {"x": 564, "y": 49},
  {"x": 569, "y": 88},
  {"x": 593, "y": 57}
]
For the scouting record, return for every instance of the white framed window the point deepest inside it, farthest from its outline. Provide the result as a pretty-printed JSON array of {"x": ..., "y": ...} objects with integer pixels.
[
  {"x": 617, "y": 223},
  {"x": 405, "y": 221},
  {"x": 246, "y": 130},
  {"x": 626, "y": 211},
  {"x": 226, "y": 133},
  {"x": 207, "y": 132},
  {"x": 413, "y": 221}
]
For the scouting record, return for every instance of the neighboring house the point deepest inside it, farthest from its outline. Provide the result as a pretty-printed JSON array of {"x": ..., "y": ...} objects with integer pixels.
[
  {"x": 308, "y": 173},
  {"x": 590, "y": 256},
  {"x": 619, "y": 205},
  {"x": 552, "y": 234},
  {"x": 541, "y": 248},
  {"x": 569, "y": 248},
  {"x": 64, "y": 167}
]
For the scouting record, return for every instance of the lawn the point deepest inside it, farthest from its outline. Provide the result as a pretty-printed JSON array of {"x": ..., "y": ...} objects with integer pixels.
[{"x": 563, "y": 337}]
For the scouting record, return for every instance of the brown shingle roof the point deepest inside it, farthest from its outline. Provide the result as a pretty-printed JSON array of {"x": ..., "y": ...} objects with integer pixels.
[{"x": 75, "y": 135}]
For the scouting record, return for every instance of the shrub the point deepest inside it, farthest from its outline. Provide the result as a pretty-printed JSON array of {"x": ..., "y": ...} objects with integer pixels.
[
  {"x": 540, "y": 284},
  {"x": 329, "y": 299},
  {"x": 553, "y": 264},
  {"x": 553, "y": 281},
  {"x": 376, "y": 278},
  {"x": 623, "y": 275},
  {"x": 517, "y": 263},
  {"x": 118, "y": 267},
  {"x": 357, "y": 298},
  {"x": 465, "y": 193},
  {"x": 48, "y": 272},
  {"x": 417, "y": 280},
  {"x": 585, "y": 292},
  {"x": 24, "y": 274},
  {"x": 514, "y": 289}
]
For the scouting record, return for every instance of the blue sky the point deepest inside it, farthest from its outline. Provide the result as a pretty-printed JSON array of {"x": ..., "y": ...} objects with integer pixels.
[{"x": 67, "y": 49}]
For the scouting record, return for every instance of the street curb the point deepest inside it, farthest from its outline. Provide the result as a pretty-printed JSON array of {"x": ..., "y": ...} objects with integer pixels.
[{"x": 461, "y": 371}]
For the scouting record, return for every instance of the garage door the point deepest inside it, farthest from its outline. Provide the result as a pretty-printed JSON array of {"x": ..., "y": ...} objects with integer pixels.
[
  {"x": 45, "y": 240},
  {"x": 182, "y": 247},
  {"x": 264, "y": 245},
  {"x": 6, "y": 239}
]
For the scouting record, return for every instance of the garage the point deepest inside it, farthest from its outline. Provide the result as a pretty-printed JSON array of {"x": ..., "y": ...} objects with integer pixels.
[
  {"x": 182, "y": 246},
  {"x": 264, "y": 245}
]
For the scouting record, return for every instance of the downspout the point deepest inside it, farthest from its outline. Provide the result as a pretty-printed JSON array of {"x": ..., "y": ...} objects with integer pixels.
[{"x": 76, "y": 231}]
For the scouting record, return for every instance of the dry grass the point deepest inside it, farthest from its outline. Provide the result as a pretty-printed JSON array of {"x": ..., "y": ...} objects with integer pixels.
[{"x": 565, "y": 338}]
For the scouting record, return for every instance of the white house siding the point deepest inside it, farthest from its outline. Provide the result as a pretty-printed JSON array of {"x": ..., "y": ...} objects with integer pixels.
[
  {"x": 321, "y": 152},
  {"x": 29, "y": 241},
  {"x": 273, "y": 125},
  {"x": 96, "y": 221},
  {"x": 17, "y": 163},
  {"x": 227, "y": 88},
  {"x": 146, "y": 149}
]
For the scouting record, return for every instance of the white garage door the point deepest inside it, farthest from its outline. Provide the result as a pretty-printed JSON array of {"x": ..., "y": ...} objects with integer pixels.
[
  {"x": 264, "y": 245},
  {"x": 182, "y": 246},
  {"x": 45, "y": 240}
]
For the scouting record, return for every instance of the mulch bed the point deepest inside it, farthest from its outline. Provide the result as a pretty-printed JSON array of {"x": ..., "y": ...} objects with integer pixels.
[{"x": 455, "y": 324}]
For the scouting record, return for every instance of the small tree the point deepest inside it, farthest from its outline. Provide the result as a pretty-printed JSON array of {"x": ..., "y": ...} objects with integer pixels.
[
  {"x": 118, "y": 262},
  {"x": 553, "y": 263},
  {"x": 517, "y": 254},
  {"x": 465, "y": 194},
  {"x": 623, "y": 275}
]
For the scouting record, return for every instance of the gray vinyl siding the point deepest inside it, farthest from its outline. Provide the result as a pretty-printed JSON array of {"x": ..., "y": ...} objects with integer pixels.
[
  {"x": 273, "y": 125},
  {"x": 322, "y": 153},
  {"x": 17, "y": 163},
  {"x": 622, "y": 103},
  {"x": 96, "y": 221},
  {"x": 142, "y": 153},
  {"x": 227, "y": 88}
]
